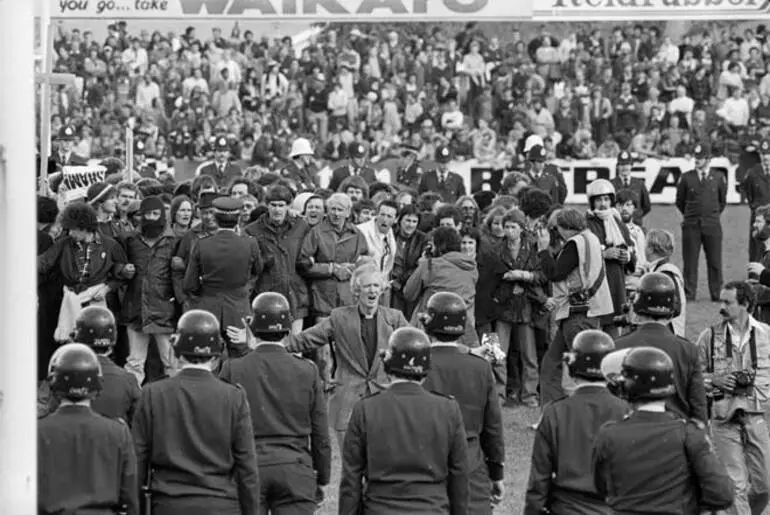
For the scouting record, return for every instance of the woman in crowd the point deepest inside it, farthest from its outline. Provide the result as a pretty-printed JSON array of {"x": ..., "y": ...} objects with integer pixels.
[
  {"x": 181, "y": 215},
  {"x": 444, "y": 267}
]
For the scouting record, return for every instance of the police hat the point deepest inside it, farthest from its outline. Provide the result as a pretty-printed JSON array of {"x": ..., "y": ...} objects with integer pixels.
[
  {"x": 206, "y": 199},
  {"x": 66, "y": 133},
  {"x": 443, "y": 154},
  {"x": 357, "y": 150},
  {"x": 764, "y": 147},
  {"x": 139, "y": 147},
  {"x": 625, "y": 158},
  {"x": 221, "y": 144},
  {"x": 701, "y": 151},
  {"x": 536, "y": 153},
  {"x": 227, "y": 206}
]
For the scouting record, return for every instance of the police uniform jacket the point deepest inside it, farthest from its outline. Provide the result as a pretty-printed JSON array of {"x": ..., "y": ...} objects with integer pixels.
[
  {"x": 469, "y": 380},
  {"x": 701, "y": 202},
  {"x": 288, "y": 408},
  {"x": 71, "y": 159},
  {"x": 343, "y": 172},
  {"x": 690, "y": 398},
  {"x": 305, "y": 177},
  {"x": 86, "y": 464},
  {"x": 420, "y": 468},
  {"x": 560, "y": 478},
  {"x": 194, "y": 431},
  {"x": 222, "y": 174},
  {"x": 450, "y": 190},
  {"x": 280, "y": 249},
  {"x": 639, "y": 188},
  {"x": 354, "y": 377},
  {"x": 659, "y": 463},
  {"x": 756, "y": 187},
  {"x": 221, "y": 273},
  {"x": 409, "y": 176},
  {"x": 552, "y": 182},
  {"x": 183, "y": 249},
  {"x": 323, "y": 246}
]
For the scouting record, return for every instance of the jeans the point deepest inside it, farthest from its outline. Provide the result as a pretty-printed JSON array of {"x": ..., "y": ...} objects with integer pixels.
[
  {"x": 138, "y": 342},
  {"x": 552, "y": 371},
  {"x": 519, "y": 373},
  {"x": 322, "y": 119},
  {"x": 742, "y": 444}
]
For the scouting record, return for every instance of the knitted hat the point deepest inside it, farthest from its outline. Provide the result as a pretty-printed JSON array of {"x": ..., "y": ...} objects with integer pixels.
[
  {"x": 151, "y": 204},
  {"x": 99, "y": 192}
]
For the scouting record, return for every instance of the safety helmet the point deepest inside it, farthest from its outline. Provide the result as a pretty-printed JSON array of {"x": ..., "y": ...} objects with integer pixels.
[
  {"x": 95, "y": 327},
  {"x": 301, "y": 147},
  {"x": 272, "y": 314},
  {"x": 657, "y": 296},
  {"x": 600, "y": 187},
  {"x": 198, "y": 334},
  {"x": 446, "y": 314},
  {"x": 588, "y": 350},
  {"x": 75, "y": 372},
  {"x": 408, "y": 354},
  {"x": 647, "y": 374}
]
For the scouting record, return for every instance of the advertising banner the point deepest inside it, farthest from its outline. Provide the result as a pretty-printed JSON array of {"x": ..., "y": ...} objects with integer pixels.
[
  {"x": 579, "y": 10},
  {"x": 313, "y": 10}
]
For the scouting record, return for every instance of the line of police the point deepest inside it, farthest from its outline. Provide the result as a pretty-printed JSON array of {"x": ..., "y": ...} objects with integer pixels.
[{"x": 256, "y": 439}]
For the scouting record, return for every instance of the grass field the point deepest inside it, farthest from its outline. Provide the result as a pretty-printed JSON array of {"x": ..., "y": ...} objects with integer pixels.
[{"x": 518, "y": 438}]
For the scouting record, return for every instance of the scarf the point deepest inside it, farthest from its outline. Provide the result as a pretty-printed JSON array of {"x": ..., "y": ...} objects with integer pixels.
[{"x": 613, "y": 235}]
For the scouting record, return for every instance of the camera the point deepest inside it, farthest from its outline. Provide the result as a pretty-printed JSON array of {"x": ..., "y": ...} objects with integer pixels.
[{"x": 744, "y": 382}]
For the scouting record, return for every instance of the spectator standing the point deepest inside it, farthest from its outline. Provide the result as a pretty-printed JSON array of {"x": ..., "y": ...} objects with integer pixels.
[{"x": 381, "y": 241}]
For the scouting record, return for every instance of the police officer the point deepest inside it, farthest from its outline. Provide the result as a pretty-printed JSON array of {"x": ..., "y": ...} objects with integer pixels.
[
  {"x": 654, "y": 307},
  {"x": 221, "y": 169},
  {"x": 624, "y": 181},
  {"x": 86, "y": 462},
  {"x": 141, "y": 166},
  {"x": 560, "y": 478},
  {"x": 448, "y": 184},
  {"x": 756, "y": 188},
  {"x": 193, "y": 434},
  {"x": 409, "y": 173},
  {"x": 301, "y": 169},
  {"x": 291, "y": 427},
  {"x": 456, "y": 372},
  {"x": 119, "y": 392},
  {"x": 701, "y": 196},
  {"x": 223, "y": 267},
  {"x": 405, "y": 450},
  {"x": 653, "y": 461},
  {"x": 357, "y": 166},
  {"x": 546, "y": 176}
]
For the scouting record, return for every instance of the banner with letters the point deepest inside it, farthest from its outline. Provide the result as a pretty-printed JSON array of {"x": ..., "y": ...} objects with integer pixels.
[
  {"x": 660, "y": 176},
  {"x": 612, "y": 10},
  {"x": 76, "y": 180},
  {"x": 284, "y": 10}
]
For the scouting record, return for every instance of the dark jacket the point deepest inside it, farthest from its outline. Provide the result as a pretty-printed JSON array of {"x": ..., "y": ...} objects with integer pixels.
[
  {"x": 106, "y": 260},
  {"x": 639, "y": 188},
  {"x": 343, "y": 172},
  {"x": 231, "y": 172},
  {"x": 409, "y": 252},
  {"x": 701, "y": 202},
  {"x": 451, "y": 190}
]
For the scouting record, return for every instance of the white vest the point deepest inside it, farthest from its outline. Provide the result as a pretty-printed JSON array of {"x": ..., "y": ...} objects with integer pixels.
[
  {"x": 583, "y": 277},
  {"x": 679, "y": 323}
]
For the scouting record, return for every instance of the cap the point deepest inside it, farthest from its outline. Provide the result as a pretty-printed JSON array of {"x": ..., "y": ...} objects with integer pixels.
[
  {"x": 536, "y": 153},
  {"x": 139, "y": 147},
  {"x": 701, "y": 151},
  {"x": 624, "y": 158},
  {"x": 67, "y": 133},
  {"x": 227, "y": 206},
  {"x": 151, "y": 203},
  {"x": 99, "y": 192},
  {"x": 221, "y": 144},
  {"x": 764, "y": 147},
  {"x": 206, "y": 199}
]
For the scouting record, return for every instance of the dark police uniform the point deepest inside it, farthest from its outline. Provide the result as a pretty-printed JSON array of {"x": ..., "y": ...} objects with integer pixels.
[
  {"x": 658, "y": 463},
  {"x": 304, "y": 177},
  {"x": 220, "y": 275},
  {"x": 223, "y": 173},
  {"x": 183, "y": 251},
  {"x": 405, "y": 452},
  {"x": 450, "y": 189},
  {"x": 701, "y": 202},
  {"x": 561, "y": 479},
  {"x": 86, "y": 464},
  {"x": 367, "y": 173},
  {"x": 291, "y": 427},
  {"x": 689, "y": 401},
  {"x": 409, "y": 176},
  {"x": 756, "y": 189},
  {"x": 117, "y": 399},
  {"x": 639, "y": 189},
  {"x": 193, "y": 431},
  {"x": 469, "y": 379}
]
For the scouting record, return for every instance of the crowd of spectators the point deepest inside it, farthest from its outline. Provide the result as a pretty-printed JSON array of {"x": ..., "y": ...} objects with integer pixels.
[{"x": 590, "y": 94}]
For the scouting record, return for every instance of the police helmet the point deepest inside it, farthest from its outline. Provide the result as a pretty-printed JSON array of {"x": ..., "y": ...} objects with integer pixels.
[
  {"x": 408, "y": 354},
  {"x": 272, "y": 314},
  {"x": 657, "y": 296},
  {"x": 598, "y": 188},
  {"x": 588, "y": 350},
  {"x": 446, "y": 314},
  {"x": 198, "y": 335},
  {"x": 75, "y": 372},
  {"x": 95, "y": 327},
  {"x": 647, "y": 374}
]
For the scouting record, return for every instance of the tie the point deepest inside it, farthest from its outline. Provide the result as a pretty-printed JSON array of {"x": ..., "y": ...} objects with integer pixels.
[
  {"x": 702, "y": 176},
  {"x": 442, "y": 178},
  {"x": 627, "y": 183},
  {"x": 385, "y": 252}
]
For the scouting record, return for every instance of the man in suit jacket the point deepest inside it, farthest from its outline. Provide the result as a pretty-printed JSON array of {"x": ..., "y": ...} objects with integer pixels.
[
  {"x": 221, "y": 169},
  {"x": 357, "y": 166},
  {"x": 381, "y": 241},
  {"x": 447, "y": 184},
  {"x": 357, "y": 333},
  {"x": 546, "y": 177},
  {"x": 65, "y": 142},
  {"x": 624, "y": 181}
]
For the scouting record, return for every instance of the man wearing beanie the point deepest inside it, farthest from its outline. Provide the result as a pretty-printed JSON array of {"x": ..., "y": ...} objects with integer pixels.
[{"x": 148, "y": 307}]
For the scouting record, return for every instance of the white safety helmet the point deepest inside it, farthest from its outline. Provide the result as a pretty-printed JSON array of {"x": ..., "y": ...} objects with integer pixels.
[
  {"x": 300, "y": 147},
  {"x": 598, "y": 188},
  {"x": 299, "y": 201},
  {"x": 532, "y": 141}
]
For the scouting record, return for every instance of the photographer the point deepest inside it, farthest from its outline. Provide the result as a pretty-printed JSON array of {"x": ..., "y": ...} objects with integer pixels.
[{"x": 734, "y": 356}]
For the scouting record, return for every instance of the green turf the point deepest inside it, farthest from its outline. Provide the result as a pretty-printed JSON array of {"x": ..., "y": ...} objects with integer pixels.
[{"x": 518, "y": 438}]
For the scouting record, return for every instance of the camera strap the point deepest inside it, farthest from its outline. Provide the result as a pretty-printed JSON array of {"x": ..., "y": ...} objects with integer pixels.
[{"x": 729, "y": 347}]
